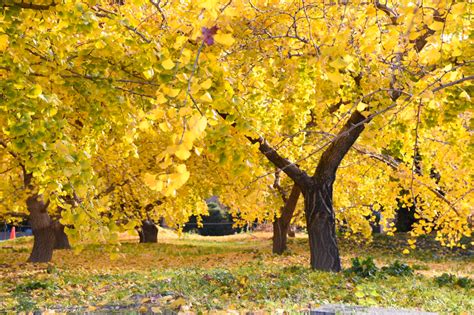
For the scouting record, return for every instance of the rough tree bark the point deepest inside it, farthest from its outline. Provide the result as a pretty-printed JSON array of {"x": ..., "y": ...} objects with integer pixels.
[
  {"x": 61, "y": 240},
  {"x": 48, "y": 234},
  {"x": 281, "y": 225},
  {"x": 148, "y": 232},
  {"x": 319, "y": 212},
  {"x": 43, "y": 233}
]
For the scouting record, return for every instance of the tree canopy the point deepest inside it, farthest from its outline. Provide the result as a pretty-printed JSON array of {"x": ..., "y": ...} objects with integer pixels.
[{"x": 123, "y": 104}]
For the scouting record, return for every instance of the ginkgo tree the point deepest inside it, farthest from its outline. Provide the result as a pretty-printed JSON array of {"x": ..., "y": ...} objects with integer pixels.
[
  {"x": 105, "y": 132},
  {"x": 388, "y": 68},
  {"x": 75, "y": 110},
  {"x": 67, "y": 93},
  {"x": 297, "y": 81}
]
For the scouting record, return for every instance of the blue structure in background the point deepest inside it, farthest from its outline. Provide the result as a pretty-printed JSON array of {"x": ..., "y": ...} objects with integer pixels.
[{"x": 23, "y": 230}]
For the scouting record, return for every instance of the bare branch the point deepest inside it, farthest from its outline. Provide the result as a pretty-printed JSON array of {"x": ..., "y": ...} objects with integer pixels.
[
  {"x": 160, "y": 9},
  {"x": 442, "y": 86},
  {"x": 276, "y": 184},
  {"x": 387, "y": 10}
]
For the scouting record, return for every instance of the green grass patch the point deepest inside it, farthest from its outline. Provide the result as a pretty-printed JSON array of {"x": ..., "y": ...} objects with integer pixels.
[{"x": 240, "y": 273}]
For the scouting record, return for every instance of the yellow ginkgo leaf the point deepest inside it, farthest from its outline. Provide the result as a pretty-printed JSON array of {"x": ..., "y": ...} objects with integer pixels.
[
  {"x": 171, "y": 92},
  {"x": 180, "y": 40},
  {"x": 361, "y": 106},
  {"x": 100, "y": 44},
  {"x": 206, "y": 97},
  {"x": 184, "y": 111},
  {"x": 224, "y": 39},
  {"x": 168, "y": 64},
  {"x": 338, "y": 63},
  {"x": 201, "y": 124},
  {"x": 149, "y": 73},
  {"x": 164, "y": 126},
  {"x": 144, "y": 125},
  {"x": 18, "y": 86},
  {"x": 37, "y": 90},
  {"x": 206, "y": 84},
  {"x": 437, "y": 26},
  {"x": 3, "y": 42},
  {"x": 149, "y": 179},
  {"x": 181, "y": 168},
  {"x": 182, "y": 154},
  {"x": 152, "y": 183},
  {"x": 157, "y": 113},
  {"x": 208, "y": 4},
  {"x": 160, "y": 98},
  {"x": 335, "y": 77}
]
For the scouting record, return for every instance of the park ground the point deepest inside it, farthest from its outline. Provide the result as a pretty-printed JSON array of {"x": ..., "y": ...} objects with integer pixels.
[{"x": 199, "y": 274}]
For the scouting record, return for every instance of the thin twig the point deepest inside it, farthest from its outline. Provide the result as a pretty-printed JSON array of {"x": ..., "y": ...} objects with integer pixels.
[{"x": 188, "y": 90}]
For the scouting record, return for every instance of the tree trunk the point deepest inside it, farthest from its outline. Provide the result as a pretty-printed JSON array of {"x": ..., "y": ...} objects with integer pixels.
[
  {"x": 61, "y": 239},
  {"x": 43, "y": 231},
  {"x": 321, "y": 226},
  {"x": 319, "y": 212},
  {"x": 148, "y": 232},
  {"x": 163, "y": 223},
  {"x": 282, "y": 224},
  {"x": 291, "y": 231},
  {"x": 317, "y": 189}
]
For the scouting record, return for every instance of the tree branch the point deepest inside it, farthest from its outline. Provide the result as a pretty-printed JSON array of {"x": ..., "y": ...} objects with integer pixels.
[
  {"x": 442, "y": 86},
  {"x": 333, "y": 155},
  {"x": 277, "y": 186},
  {"x": 387, "y": 10},
  {"x": 393, "y": 163},
  {"x": 110, "y": 189},
  {"x": 31, "y": 6},
  {"x": 292, "y": 170},
  {"x": 300, "y": 177},
  {"x": 158, "y": 7}
]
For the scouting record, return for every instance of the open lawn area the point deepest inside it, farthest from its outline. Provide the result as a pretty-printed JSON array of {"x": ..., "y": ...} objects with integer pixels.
[{"x": 239, "y": 272}]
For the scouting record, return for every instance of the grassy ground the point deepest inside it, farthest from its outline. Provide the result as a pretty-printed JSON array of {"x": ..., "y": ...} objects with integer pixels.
[{"x": 226, "y": 273}]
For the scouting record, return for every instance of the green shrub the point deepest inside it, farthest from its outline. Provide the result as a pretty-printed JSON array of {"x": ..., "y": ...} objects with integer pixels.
[
  {"x": 447, "y": 279},
  {"x": 34, "y": 285},
  {"x": 219, "y": 222},
  {"x": 398, "y": 269},
  {"x": 364, "y": 268},
  {"x": 465, "y": 282}
]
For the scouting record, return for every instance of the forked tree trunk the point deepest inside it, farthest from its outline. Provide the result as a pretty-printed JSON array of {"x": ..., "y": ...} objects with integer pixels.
[
  {"x": 282, "y": 224},
  {"x": 317, "y": 190},
  {"x": 148, "y": 232},
  {"x": 61, "y": 240},
  {"x": 43, "y": 231},
  {"x": 319, "y": 212}
]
